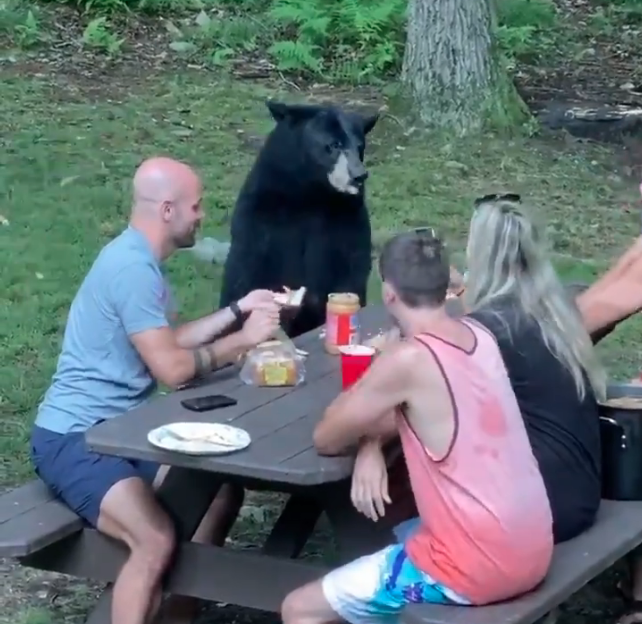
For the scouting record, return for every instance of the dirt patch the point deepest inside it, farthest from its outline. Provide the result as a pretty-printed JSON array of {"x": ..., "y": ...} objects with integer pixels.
[
  {"x": 602, "y": 78},
  {"x": 27, "y": 592},
  {"x": 604, "y": 69}
]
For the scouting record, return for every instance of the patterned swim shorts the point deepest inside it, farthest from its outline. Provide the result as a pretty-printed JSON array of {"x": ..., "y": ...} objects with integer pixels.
[{"x": 377, "y": 587}]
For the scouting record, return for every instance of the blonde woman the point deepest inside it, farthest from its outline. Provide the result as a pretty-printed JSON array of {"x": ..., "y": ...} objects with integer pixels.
[{"x": 513, "y": 290}]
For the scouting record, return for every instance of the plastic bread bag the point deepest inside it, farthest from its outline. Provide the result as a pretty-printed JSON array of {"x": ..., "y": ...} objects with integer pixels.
[{"x": 274, "y": 363}]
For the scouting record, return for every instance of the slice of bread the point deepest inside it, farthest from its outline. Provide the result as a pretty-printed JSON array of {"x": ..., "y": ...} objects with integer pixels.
[{"x": 290, "y": 298}]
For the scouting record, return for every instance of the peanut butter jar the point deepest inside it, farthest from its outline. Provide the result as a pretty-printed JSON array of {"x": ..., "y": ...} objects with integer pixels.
[{"x": 342, "y": 321}]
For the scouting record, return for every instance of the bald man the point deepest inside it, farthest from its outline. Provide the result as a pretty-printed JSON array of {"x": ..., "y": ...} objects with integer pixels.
[{"x": 118, "y": 343}]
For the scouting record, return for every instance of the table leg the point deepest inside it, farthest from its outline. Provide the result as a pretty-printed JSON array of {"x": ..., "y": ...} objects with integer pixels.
[
  {"x": 355, "y": 534},
  {"x": 186, "y": 496},
  {"x": 293, "y": 527}
]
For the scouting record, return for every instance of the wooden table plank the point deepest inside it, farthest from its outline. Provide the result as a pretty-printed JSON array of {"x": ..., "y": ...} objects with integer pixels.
[
  {"x": 279, "y": 420},
  {"x": 248, "y": 579}
]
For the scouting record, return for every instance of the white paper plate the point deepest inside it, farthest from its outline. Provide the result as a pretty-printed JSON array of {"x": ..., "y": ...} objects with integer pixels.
[{"x": 194, "y": 438}]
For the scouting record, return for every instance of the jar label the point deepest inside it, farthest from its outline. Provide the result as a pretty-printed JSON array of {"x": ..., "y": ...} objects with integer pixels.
[{"x": 342, "y": 329}]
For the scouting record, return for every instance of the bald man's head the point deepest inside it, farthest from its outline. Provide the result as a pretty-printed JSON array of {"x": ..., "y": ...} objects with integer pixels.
[
  {"x": 162, "y": 179},
  {"x": 168, "y": 192}
]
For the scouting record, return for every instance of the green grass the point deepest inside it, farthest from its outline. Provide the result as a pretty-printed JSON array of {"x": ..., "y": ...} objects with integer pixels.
[{"x": 66, "y": 166}]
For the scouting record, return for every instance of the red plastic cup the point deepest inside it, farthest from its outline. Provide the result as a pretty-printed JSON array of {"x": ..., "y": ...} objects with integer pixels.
[{"x": 355, "y": 360}]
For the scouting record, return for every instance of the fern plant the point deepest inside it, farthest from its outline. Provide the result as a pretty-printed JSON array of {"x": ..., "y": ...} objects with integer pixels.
[
  {"x": 347, "y": 39},
  {"x": 358, "y": 40}
]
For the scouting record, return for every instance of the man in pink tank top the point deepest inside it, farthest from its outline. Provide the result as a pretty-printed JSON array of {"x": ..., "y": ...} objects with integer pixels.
[{"x": 485, "y": 527}]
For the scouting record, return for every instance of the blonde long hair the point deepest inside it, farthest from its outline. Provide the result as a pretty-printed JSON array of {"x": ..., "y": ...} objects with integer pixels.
[{"x": 507, "y": 257}]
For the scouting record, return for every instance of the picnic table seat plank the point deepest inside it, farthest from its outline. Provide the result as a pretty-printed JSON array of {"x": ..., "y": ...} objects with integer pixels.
[
  {"x": 31, "y": 518},
  {"x": 253, "y": 580},
  {"x": 21, "y": 499},
  {"x": 245, "y": 578},
  {"x": 617, "y": 530}
]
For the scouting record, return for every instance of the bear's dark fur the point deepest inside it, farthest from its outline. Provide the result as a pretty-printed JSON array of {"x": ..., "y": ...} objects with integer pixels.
[{"x": 301, "y": 218}]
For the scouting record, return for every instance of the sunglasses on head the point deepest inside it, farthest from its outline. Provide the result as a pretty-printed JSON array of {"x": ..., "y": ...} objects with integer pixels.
[{"x": 511, "y": 197}]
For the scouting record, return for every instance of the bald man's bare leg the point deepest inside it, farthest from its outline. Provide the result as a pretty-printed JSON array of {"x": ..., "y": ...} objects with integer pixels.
[{"x": 130, "y": 513}]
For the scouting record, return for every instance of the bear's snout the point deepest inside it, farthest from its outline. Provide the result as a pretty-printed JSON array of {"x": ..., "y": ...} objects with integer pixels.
[{"x": 356, "y": 169}]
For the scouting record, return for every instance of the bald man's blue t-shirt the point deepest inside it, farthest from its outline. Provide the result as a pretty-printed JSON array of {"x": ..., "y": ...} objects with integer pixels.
[{"x": 100, "y": 374}]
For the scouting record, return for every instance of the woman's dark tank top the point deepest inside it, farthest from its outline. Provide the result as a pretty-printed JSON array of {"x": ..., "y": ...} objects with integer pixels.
[{"x": 564, "y": 431}]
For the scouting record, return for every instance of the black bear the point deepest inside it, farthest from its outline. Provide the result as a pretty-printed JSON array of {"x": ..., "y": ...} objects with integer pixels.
[{"x": 301, "y": 218}]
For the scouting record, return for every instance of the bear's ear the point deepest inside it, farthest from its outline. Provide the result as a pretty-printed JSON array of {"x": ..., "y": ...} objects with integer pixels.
[
  {"x": 369, "y": 122},
  {"x": 278, "y": 110},
  {"x": 294, "y": 112}
]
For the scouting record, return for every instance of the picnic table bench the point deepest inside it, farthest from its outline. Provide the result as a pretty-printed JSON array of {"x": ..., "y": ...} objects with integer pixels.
[
  {"x": 31, "y": 519},
  {"x": 42, "y": 533}
]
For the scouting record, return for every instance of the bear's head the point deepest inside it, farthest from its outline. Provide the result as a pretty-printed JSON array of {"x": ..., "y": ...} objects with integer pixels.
[{"x": 332, "y": 142}]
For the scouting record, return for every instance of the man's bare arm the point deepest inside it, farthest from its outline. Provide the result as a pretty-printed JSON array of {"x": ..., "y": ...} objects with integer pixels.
[
  {"x": 201, "y": 331},
  {"x": 138, "y": 295},
  {"x": 381, "y": 434},
  {"x": 204, "y": 330},
  {"x": 615, "y": 296},
  {"x": 365, "y": 409},
  {"x": 174, "y": 365},
  {"x": 385, "y": 430}
]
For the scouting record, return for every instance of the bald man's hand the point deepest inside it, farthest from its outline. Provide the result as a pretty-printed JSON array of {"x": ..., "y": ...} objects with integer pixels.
[
  {"x": 258, "y": 299},
  {"x": 261, "y": 325}
]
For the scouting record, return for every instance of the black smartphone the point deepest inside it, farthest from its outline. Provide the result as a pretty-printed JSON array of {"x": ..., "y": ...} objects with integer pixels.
[{"x": 208, "y": 403}]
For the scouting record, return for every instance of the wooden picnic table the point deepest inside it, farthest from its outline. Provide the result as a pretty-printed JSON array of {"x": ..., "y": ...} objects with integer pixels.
[
  {"x": 281, "y": 458},
  {"x": 46, "y": 535}
]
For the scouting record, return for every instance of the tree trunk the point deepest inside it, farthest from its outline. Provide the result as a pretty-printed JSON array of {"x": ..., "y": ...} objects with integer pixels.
[{"x": 452, "y": 69}]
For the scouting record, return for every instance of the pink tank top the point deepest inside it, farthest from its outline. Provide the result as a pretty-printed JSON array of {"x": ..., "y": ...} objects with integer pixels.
[{"x": 486, "y": 526}]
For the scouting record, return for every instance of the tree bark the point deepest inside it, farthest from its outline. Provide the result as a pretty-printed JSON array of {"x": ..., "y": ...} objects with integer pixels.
[{"x": 452, "y": 70}]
